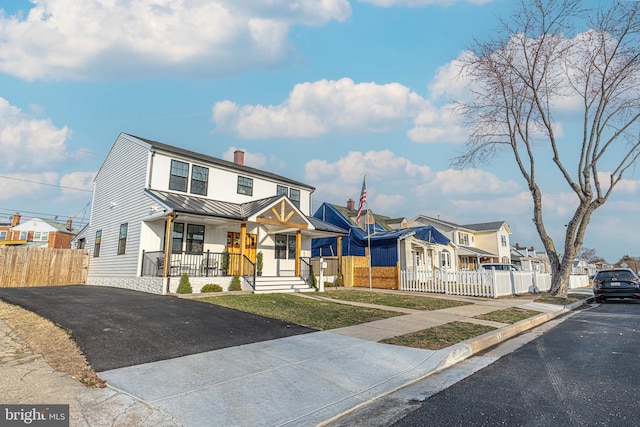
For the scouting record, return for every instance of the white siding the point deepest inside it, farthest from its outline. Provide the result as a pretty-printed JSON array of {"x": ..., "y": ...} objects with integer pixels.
[
  {"x": 118, "y": 199},
  {"x": 223, "y": 183}
]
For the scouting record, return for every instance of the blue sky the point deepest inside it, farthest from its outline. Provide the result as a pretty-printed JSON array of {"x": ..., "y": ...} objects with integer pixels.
[{"x": 319, "y": 91}]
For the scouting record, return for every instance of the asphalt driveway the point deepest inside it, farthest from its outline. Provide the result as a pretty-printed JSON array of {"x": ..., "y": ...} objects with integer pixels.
[{"x": 116, "y": 327}]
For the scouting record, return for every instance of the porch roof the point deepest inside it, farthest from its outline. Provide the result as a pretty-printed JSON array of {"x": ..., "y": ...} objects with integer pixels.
[
  {"x": 467, "y": 250},
  {"x": 200, "y": 206}
]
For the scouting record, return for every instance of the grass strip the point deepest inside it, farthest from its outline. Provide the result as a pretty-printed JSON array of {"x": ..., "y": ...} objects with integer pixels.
[
  {"x": 508, "y": 315},
  {"x": 441, "y": 336},
  {"x": 414, "y": 302},
  {"x": 569, "y": 299},
  {"x": 301, "y": 311}
]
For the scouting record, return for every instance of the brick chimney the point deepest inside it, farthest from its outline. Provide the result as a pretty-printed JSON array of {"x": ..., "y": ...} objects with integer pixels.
[
  {"x": 351, "y": 204},
  {"x": 16, "y": 219},
  {"x": 69, "y": 224},
  {"x": 517, "y": 245},
  {"x": 238, "y": 157}
]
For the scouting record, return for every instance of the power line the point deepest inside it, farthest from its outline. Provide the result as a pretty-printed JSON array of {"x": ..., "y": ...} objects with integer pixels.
[{"x": 44, "y": 183}]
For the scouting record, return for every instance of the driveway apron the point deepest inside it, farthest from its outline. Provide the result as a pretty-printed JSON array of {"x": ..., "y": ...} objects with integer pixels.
[{"x": 116, "y": 327}]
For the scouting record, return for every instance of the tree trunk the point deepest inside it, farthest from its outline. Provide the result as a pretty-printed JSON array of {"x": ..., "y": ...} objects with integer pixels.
[{"x": 560, "y": 277}]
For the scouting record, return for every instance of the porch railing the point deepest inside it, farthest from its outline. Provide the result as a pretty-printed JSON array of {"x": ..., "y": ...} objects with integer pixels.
[
  {"x": 206, "y": 264},
  {"x": 306, "y": 269}
]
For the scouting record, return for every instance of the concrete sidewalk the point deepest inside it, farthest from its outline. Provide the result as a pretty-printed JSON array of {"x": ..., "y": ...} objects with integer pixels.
[{"x": 303, "y": 380}]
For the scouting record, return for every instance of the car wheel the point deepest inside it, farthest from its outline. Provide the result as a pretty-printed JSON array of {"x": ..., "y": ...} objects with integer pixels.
[{"x": 598, "y": 300}]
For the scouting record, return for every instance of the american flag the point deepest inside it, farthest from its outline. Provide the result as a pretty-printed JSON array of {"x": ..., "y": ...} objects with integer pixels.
[{"x": 363, "y": 198}]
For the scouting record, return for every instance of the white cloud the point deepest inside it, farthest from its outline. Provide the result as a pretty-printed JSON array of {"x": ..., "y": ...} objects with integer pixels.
[
  {"x": 77, "y": 180},
  {"x": 255, "y": 160},
  {"x": 471, "y": 181},
  {"x": 92, "y": 39},
  {"x": 419, "y": 3},
  {"x": 27, "y": 143},
  {"x": 27, "y": 185},
  {"x": 316, "y": 108}
]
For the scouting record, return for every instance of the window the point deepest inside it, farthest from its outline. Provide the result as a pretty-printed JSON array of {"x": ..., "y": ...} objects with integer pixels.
[
  {"x": 464, "y": 262},
  {"x": 195, "y": 239},
  {"x": 281, "y": 189},
  {"x": 445, "y": 259},
  {"x": 294, "y": 195},
  {"x": 122, "y": 239},
  {"x": 96, "y": 246},
  {"x": 503, "y": 238},
  {"x": 291, "y": 246},
  {"x": 245, "y": 186},
  {"x": 81, "y": 243},
  {"x": 199, "y": 180},
  {"x": 176, "y": 237},
  {"x": 3, "y": 235},
  {"x": 23, "y": 235},
  {"x": 281, "y": 246},
  {"x": 463, "y": 239},
  {"x": 285, "y": 246},
  {"x": 40, "y": 236},
  {"x": 179, "y": 174}
]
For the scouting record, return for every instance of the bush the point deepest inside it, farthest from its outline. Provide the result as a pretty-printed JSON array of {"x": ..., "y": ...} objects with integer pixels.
[
  {"x": 338, "y": 281},
  {"x": 184, "y": 287},
  {"x": 235, "y": 284},
  {"x": 328, "y": 284},
  {"x": 211, "y": 287},
  {"x": 314, "y": 282}
]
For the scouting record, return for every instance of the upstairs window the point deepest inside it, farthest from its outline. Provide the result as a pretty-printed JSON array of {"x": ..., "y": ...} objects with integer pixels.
[
  {"x": 463, "y": 239},
  {"x": 245, "y": 186},
  {"x": 199, "y": 180},
  {"x": 122, "y": 239},
  {"x": 281, "y": 189},
  {"x": 178, "y": 177},
  {"x": 503, "y": 238},
  {"x": 96, "y": 245},
  {"x": 294, "y": 195}
]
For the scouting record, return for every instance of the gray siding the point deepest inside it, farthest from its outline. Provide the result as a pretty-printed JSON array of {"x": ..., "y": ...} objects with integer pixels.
[{"x": 119, "y": 199}]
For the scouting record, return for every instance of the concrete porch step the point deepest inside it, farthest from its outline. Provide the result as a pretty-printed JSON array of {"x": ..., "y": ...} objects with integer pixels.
[{"x": 265, "y": 285}]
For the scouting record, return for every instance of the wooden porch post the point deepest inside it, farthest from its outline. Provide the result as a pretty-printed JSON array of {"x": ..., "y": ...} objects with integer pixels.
[
  {"x": 298, "y": 243},
  {"x": 167, "y": 246},
  {"x": 243, "y": 244}
]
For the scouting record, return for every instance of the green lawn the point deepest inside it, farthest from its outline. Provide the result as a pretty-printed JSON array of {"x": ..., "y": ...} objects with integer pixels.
[
  {"x": 301, "y": 311},
  {"x": 508, "y": 315},
  {"x": 440, "y": 336},
  {"x": 569, "y": 299},
  {"x": 415, "y": 302}
]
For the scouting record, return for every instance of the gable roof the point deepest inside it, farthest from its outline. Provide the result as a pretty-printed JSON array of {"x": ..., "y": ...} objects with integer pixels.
[
  {"x": 199, "y": 157},
  {"x": 478, "y": 227}
]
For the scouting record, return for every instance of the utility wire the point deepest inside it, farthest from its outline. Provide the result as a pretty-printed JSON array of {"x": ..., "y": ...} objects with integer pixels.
[{"x": 44, "y": 183}]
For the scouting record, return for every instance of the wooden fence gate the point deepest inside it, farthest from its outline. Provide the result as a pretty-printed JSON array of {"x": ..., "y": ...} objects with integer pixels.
[{"x": 22, "y": 267}]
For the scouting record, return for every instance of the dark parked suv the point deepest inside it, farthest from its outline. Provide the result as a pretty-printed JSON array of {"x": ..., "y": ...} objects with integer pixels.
[{"x": 616, "y": 283}]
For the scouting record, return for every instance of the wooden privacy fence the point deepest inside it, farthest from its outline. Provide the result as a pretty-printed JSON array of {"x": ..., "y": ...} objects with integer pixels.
[{"x": 20, "y": 267}]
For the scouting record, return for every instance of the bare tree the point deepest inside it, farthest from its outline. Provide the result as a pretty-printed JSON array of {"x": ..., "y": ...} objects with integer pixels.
[{"x": 524, "y": 78}]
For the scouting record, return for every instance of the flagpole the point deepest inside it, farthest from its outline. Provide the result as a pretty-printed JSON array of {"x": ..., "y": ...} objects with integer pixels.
[{"x": 369, "y": 245}]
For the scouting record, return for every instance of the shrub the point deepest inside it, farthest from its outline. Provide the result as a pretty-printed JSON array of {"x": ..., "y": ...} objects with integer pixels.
[
  {"x": 211, "y": 287},
  {"x": 259, "y": 262},
  {"x": 314, "y": 282},
  {"x": 328, "y": 284},
  {"x": 185, "y": 286},
  {"x": 235, "y": 284},
  {"x": 338, "y": 281}
]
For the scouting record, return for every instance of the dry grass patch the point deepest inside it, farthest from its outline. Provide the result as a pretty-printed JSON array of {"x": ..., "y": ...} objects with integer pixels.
[
  {"x": 440, "y": 336},
  {"x": 508, "y": 315},
  {"x": 50, "y": 341},
  {"x": 569, "y": 299},
  {"x": 414, "y": 302},
  {"x": 301, "y": 311}
]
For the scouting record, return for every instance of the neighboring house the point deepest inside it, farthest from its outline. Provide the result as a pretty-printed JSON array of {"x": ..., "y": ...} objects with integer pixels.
[
  {"x": 160, "y": 211},
  {"x": 528, "y": 259},
  {"x": 475, "y": 243},
  {"x": 392, "y": 242},
  {"x": 39, "y": 233}
]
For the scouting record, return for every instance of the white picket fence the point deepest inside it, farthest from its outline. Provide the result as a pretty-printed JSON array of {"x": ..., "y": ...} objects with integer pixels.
[{"x": 481, "y": 283}]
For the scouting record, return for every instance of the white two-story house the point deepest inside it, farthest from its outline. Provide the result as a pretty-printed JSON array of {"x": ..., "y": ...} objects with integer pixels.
[
  {"x": 161, "y": 211},
  {"x": 474, "y": 243}
]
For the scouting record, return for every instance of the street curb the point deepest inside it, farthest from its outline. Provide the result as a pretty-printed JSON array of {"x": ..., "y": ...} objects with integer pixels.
[
  {"x": 480, "y": 343},
  {"x": 461, "y": 351}
]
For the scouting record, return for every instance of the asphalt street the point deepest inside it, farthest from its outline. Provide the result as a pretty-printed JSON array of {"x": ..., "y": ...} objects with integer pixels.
[
  {"x": 116, "y": 327},
  {"x": 584, "y": 372}
]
